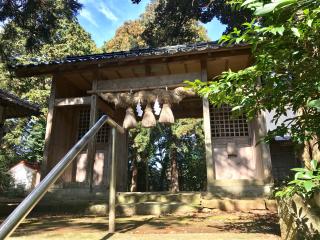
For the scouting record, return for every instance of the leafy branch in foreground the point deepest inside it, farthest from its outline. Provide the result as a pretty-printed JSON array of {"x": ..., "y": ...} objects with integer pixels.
[
  {"x": 285, "y": 40},
  {"x": 306, "y": 182}
]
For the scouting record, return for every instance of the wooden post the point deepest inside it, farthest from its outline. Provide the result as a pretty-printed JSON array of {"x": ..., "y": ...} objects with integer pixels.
[
  {"x": 112, "y": 185},
  {"x": 207, "y": 133},
  {"x": 47, "y": 141},
  {"x": 262, "y": 148},
  {"x": 92, "y": 144}
]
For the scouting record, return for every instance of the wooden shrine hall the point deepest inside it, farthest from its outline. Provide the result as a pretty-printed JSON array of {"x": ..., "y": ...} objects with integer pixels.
[{"x": 85, "y": 87}]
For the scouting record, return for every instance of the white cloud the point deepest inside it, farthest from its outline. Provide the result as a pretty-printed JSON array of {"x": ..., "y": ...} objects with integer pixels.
[
  {"x": 105, "y": 10},
  {"x": 88, "y": 16}
]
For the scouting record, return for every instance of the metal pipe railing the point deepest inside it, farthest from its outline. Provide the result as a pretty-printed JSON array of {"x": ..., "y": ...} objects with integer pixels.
[{"x": 18, "y": 215}]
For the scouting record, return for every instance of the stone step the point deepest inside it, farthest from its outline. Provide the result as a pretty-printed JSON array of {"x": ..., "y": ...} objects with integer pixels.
[
  {"x": 141, "y": 197},
  {"x": 244, "y": 205},
  {"x": 155, "y": 208}
]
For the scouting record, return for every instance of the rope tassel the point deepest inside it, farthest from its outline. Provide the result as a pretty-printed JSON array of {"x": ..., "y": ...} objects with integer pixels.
[
  {"x": 148, "y": 119},
  {"x": 130, "y": 119},
  {"x": 166, "y": 115}
]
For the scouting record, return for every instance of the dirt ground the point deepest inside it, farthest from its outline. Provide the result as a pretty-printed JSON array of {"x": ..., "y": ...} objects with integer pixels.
[{"x": 213, "y": 225}]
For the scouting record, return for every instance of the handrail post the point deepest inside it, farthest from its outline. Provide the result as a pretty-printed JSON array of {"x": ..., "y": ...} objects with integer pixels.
[
  {"x": 17, "y": 216},
  {"x": 112, "y": 185}
]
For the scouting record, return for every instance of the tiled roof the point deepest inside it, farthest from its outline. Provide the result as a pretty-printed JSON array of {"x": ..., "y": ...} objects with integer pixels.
[
  {"x": 16, "y": 107},
  {"x": 134, "y": 53}
]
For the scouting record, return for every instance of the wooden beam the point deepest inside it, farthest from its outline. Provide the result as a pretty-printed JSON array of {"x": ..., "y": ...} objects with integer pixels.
[
  {"x": 168, "y": 68},
  {"x": 85, "y": 79},
  {"x": 91, "y": 152},
  {"x": 50, "y": 118},
  {"x": 134, "y": 72},
  {"x": 148, "y": 70},
  {"x": 146, "y": 82},
  {"x": 186, "y": 68},
  {"x": 226, "y": 65},
  {"x": 207, "y": 133},
  {"x": 136, "y": 89},
  {"x": 118, "y": 74},
  {"x": 63, "y": 102}
]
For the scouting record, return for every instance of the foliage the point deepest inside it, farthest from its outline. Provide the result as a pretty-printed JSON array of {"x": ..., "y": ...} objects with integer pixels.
[
  {"x": 4, "y": 175},
  {"x": 128, "y": 36},
  {"x": 182, "y": 12},
  {"x": 285, "y": 45},
  {"x": 306, "y": 182},
  {"x": 176, "y": 28},
  {"x": 25, "y": 137},
  {"x": 38, "y": 18},
  {"x": 148, "y": 31}
]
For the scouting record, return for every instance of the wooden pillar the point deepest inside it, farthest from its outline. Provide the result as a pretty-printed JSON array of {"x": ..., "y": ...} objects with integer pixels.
[
  {"x": 112, "y": 186},
  {"x": 51, "y": 111},
  {"x": 91, "y": 152},
  {"x": 207, "y": 133},
  {"x": 263, "y": 156}
]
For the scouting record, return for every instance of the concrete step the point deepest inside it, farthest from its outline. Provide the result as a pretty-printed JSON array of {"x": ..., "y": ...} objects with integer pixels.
[
  {"x": 155, "y": 208},
  {"x": 160, "y": 197}
]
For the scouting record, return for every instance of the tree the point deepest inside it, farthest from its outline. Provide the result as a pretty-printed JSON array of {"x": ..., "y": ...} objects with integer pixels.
[
  {"x": 182, "y": 12},
  {"x": 25, "y": 138},
  {"x": 128, "y": 36},
  {"x": 176, "y": 28},
  {"x": 37, "y": 18},
  {"x": 285, "y": 75},
  {"x": 146, "y": 31}
]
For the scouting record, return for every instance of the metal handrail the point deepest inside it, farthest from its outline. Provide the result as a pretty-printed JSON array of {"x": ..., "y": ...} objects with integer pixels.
[{"x": 18, "y": 215}]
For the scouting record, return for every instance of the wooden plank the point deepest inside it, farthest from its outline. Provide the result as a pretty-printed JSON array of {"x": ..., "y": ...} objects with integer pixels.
[
  {"x": 92, "y": 143},
  {"x": 48, "y": 134},
  {"x": 146, "y": 82},
  {"x": 207, "y": 133},
  {"x": 62, "y": 102}
]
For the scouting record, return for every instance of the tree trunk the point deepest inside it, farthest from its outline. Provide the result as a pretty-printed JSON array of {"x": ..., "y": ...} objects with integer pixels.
[
  {"x": 134, "y": 178},
  {"x": 311, "y": 151},
  {"x": 147, "y": 177},
  {"x": 174, "y": 171}
]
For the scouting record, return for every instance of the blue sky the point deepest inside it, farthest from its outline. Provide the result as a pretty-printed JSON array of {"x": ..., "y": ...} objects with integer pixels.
[{"x": 101, "y": 18}]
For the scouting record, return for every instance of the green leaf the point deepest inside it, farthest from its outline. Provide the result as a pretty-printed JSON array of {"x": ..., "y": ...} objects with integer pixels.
[
  {"x": 236, "y": 108},
  {"x": 272, "y": 6},
  {"x": 296, "y": 31},
  {"x": 314, "y": 164},
  {"x": 298, "y": 169},
  {"x": 265, "y": 9},
  {"x": 314, "y": 104},
  {"x": 308, "y": 185},
  {"x": 247, "y": 2},
  {"x": 309, "y": 23}
]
